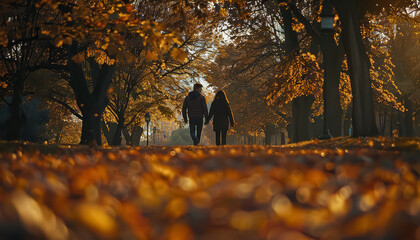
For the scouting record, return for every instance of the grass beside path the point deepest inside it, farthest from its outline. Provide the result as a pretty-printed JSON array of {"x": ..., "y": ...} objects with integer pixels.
[{"x": 342, "y": 188}]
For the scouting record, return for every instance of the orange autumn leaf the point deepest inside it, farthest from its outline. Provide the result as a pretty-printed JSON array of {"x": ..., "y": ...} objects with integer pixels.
[
  {"x": 179, "y": 231},
  {"x": 96, "y": 218}
]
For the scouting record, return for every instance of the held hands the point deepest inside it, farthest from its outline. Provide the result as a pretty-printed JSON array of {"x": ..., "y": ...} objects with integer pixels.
[{"x": 186, "y": 121}]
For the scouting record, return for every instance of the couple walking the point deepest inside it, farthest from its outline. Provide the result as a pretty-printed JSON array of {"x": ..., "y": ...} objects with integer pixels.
[{"x": 196, "y": 105}]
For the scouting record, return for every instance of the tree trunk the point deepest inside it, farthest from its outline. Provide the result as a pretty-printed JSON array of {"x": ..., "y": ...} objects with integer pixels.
[
  {"x": 88, "y": 124},
  {"x": 128, "y": 137},
  {"x": 382, "y": 117},
  {"x": 91, "y": 126},
  {"x": 59, "y": 134},
  {"x": 301, "y": 110},
  {"x": 408, "y": 118},
  {"x": 91, "y": 103},
  {"x": 401, "y": 125},
  {"x": 17, "y": 120},
  {"x": 290, "y": 132},
  {"x": 17, "y": 117},
  {"x": 282, "y": 137},
  {"x": 347, "y": 122},
  {"x": 333, "y": 111},
  {"x": 301, "y": 105},
  {"x": 108, "y": 130},
  {"x": 268, "y": 132},
  {"x": 391, "y": 122},
  {"x": 276, "y": 131},
  {"x": 97, "y": 134},
  {"x": 116, "y": 139},
  {"x": 364, "y": 123},
  {"x": 332, "y": 58},
  {"x": 136, "y": 134},
  {"x": 317, "y": 126}
]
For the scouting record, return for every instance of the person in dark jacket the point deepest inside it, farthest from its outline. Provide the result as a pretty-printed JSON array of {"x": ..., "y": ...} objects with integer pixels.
[
  {"x": 222, "y": 113},
  {"x": 195, "y": 104}
]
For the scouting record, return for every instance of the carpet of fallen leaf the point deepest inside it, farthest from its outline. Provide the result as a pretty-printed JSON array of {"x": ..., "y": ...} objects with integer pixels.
[{"x": 343, "y": 188}]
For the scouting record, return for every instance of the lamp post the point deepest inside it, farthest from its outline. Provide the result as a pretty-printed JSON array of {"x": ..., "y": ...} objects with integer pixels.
[
  {"x": 327, "y": 32},
  {"x": 147, "y": 119}
]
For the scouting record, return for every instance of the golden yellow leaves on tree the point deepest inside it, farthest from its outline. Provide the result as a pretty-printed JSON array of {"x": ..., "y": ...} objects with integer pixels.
[
  {"x": 297, "y": 27},
  {"x": 179, "y": 54},
  {"x": 100, "y": 56},
  {"x": 111, "y": 11},
  {"x": 58, "y": 42},
  {"x": 177, "y": 41},
  {"x": 163, "y": 65},
  {"x": 223, "y": 12},
  {"x": 96, "y": 219},
  {"x": 124, "y": 16},
  {"x": 151, "y": 56},
  {"x": 104, "y": 46},
  {"x": 297, "y": 76},
  {"x": 129, "y": 8}
]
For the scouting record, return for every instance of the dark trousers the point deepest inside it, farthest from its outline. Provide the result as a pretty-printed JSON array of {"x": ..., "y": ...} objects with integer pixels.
[
  {"x": 223, "y": 133},
  {"x": 196, "y": 123}
]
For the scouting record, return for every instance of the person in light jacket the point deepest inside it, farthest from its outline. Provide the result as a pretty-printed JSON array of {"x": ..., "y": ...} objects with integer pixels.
[
  {"x": 220, "y": 110},
  {"x": 195, "y": 104}
]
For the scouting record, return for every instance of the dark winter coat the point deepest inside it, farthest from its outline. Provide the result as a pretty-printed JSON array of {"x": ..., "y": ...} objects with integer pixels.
[
  {"x": 222, "y": 115},
  {"x": 196, "y": 105}
]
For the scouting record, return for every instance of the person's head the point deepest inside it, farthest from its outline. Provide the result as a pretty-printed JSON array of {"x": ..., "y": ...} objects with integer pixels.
[
  {"x": 220, "y": 96},
  {"x": 198, "y": 87}
]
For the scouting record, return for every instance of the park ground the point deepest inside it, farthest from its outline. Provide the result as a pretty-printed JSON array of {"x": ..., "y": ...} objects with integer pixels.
[{"x": 343, "y": 188}]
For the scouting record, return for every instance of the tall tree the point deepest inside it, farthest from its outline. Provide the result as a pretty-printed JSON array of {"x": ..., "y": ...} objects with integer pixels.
[
  {"x": 401, "y": 29},
  {"x": 94, "y": 35},
  {"x": 332, "y": 56},
  {"x": 352, "y": 15},
  {"x": 23, "y": 50}
]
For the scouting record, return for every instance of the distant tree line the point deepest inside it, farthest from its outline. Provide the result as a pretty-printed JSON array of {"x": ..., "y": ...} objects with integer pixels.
[{"x": 278, "y": 64}]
